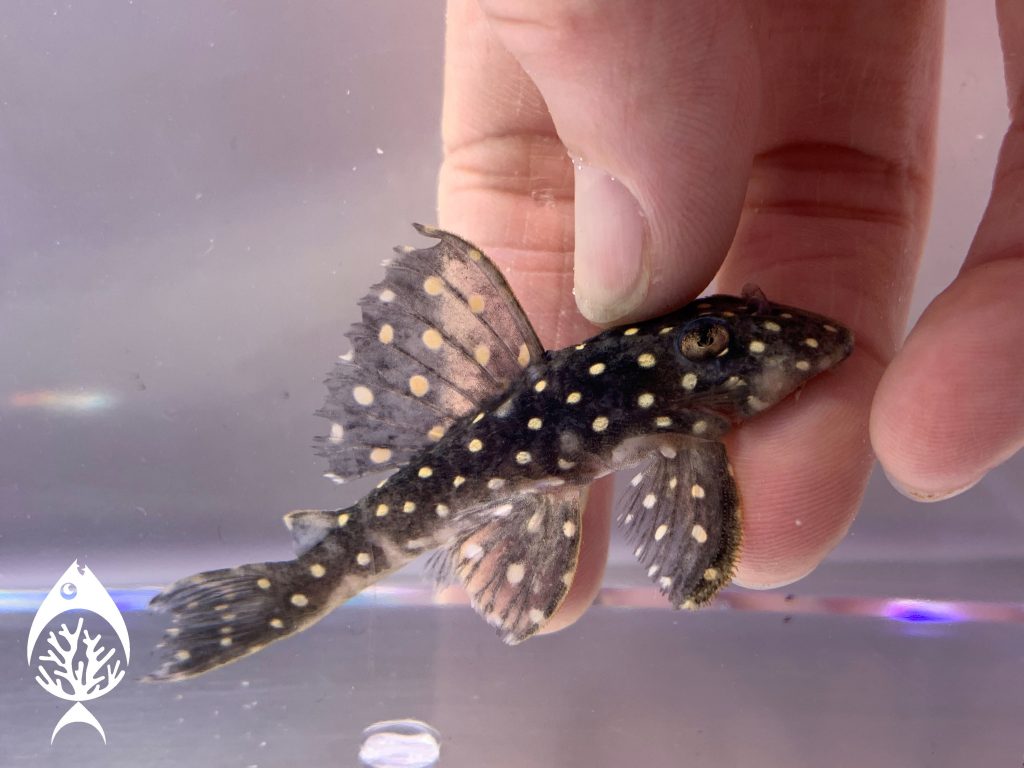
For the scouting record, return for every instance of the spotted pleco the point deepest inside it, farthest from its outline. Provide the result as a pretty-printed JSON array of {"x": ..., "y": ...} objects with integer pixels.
[{"x": 492, "y": 442}]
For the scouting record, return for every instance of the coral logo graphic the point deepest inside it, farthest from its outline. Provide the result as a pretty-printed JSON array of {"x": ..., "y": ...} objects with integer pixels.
[{"x": 79, "y": 665}]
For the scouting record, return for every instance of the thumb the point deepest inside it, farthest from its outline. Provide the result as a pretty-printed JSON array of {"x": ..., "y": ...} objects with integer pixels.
[{"x": 655, "y": 101}]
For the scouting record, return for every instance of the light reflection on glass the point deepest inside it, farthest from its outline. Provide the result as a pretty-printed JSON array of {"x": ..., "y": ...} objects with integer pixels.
[
  {"x": 923, "y": 612},
  {"x": 61, "y": 400}
]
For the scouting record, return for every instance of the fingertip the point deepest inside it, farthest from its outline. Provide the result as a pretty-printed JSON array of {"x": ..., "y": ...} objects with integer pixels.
[
  {"x": 802, "y": 469},
  {"x": 611, "y": 277},
  {"x": 948, "y": 409}
]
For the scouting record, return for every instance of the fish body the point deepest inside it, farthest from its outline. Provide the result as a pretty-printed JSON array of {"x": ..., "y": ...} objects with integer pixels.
[{"x": 492, "y": 443}]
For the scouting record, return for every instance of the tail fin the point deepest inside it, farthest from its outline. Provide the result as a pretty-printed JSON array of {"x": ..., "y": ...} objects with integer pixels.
[
  {"x": 223, "y": 615},
  {"x": 220, "y": 616}
]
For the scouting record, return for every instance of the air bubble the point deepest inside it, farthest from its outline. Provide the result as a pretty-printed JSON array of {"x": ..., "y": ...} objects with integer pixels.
[{"x": 400, "y": 744}]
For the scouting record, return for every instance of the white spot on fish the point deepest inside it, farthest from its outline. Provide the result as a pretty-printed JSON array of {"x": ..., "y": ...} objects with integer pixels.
[
  {"x": 433, "y": 285},
  {"x": 523, "y": 457},
  {"x": 524, "y": 356},
  {"x": 689, "y": 381},
  {"x": 380, "y": 455},
  {"x": 432, "y": 339},
  {"x": 477, "y": 303},
  {"x": 386, "y": 334},
  {"x": 316, "y": 570},
  {"x": 573, "y": 398},
  {"x": 757, "y": 346},
  {"x": 475, "y": 445},
  {"x": 515, "y": 573},
  {"x": 364, "y": 559},
  {"x": 419, "y": 385},
  {"x": 650, "y": 500},
  {"x": 425, "y": 472},
  {"x": 660, "y": 532},
  {"x": 697, "y": 491},
  {"x": 495, "y": 483},
  {"x": 362, "y": 395},
  {"x": 646, "y": 360},
  {"x": 600, "y": 424},
  {"x": 699, "y": 534},
  {"x": 596, "y": 369},
  {"x": 569, "y": 529},
  {"x": 535, "y": 423},
  {"x": 337, "y": 433},
  {"x": 646, "y": 400},
  {"x": 482, "y": 354},
  {"x": 540, "y": 386},
  {"x": 299, "y": 600}
]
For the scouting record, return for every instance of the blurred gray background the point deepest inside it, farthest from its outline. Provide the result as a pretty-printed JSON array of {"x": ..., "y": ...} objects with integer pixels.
[{"x": 193, "y": 196}]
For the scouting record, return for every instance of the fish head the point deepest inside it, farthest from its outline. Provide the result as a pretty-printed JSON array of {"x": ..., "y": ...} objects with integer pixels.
[{"x": 735, "y": 356}]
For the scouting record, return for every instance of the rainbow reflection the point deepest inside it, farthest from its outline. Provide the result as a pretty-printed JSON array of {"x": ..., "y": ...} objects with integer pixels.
[{"x": 61, "y": 400}]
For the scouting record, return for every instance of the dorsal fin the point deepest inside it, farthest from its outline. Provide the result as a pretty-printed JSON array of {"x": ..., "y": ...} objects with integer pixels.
[{"x": 440, "y": 334}]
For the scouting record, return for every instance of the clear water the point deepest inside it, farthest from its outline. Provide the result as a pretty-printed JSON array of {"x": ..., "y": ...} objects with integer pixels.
[{"x": 197, "y": 196}]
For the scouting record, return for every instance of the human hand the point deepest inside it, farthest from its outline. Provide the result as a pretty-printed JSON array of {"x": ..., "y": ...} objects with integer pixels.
[{"x": 790, "y": 146}]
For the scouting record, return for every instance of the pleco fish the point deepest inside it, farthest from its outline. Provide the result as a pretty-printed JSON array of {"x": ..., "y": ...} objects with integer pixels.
[{"x": 493, "y": 443}]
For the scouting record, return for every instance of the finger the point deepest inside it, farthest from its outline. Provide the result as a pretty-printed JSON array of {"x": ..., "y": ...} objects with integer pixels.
[
  {"x": 651, "y": 98},
  {"x": 834, "y": 222},
  {"x": 507, "y": 184},
  {"x": 949, "y": 407}
]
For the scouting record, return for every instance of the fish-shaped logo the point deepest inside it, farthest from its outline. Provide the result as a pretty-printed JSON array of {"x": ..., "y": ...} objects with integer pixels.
[
  {"x": 491, "y": 443},
  {"x": 78, "y": 664}
]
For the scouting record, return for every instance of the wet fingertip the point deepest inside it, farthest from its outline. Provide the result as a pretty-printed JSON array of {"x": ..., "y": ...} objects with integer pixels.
[
  {"x": 611, "y": 277},
  {"x": 764, "y": 579},
  {"x": 929, "y": 495}
]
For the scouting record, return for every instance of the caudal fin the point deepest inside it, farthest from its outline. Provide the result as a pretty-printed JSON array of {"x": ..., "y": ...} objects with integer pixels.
[{"x": 223, "y": 615}]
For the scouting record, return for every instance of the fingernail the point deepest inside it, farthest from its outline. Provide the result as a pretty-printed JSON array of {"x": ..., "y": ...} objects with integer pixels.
[
  {"x": 611, "y": 276},
  {"x": 918, "y": 494}
]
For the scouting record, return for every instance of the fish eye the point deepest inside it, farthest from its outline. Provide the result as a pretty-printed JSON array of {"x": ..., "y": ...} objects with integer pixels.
[
  {"x": 704, "y": 338},
  {"x": 68, "y": 590}
]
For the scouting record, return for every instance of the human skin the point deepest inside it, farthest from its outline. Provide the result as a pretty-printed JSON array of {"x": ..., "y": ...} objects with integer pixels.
[{"x": 636, "y": 149}]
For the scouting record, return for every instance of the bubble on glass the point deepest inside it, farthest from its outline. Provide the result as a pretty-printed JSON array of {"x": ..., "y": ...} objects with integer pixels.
[{"x": 400, "y": 744}]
